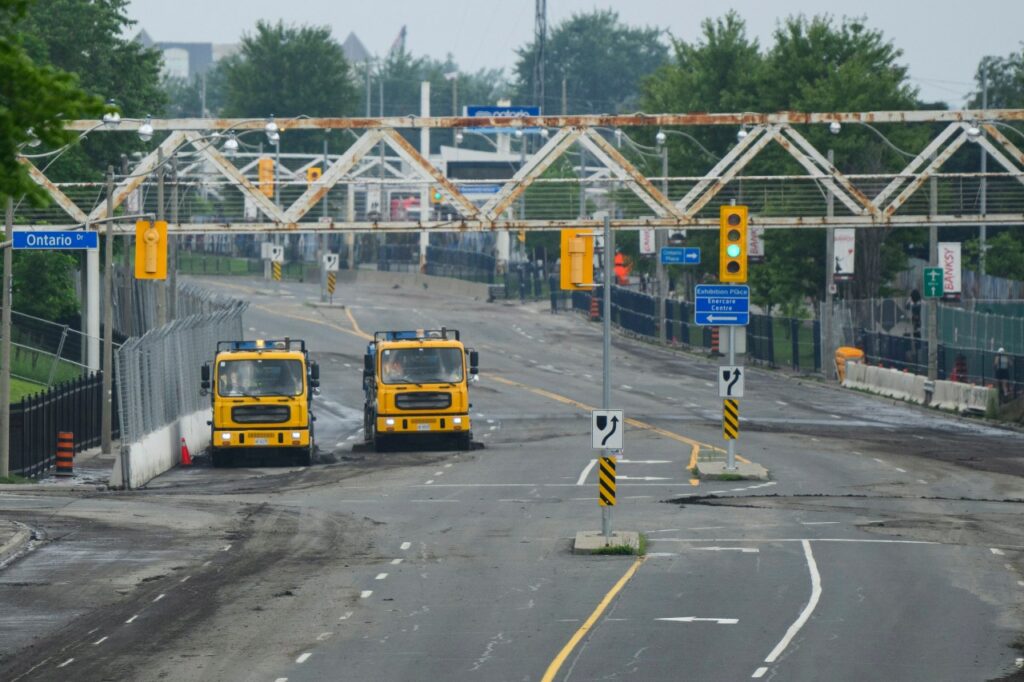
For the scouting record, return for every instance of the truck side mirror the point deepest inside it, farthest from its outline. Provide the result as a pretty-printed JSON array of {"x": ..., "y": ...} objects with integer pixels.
[
  {"x": 204, "y": 376},
  {"x": 314, "y": 375},
  {"x": 367, "y": 365},
  {"x": 474, "y": 362}
]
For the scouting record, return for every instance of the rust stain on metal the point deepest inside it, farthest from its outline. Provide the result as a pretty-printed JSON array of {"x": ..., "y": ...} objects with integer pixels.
[{"x": 70, "y": 207}]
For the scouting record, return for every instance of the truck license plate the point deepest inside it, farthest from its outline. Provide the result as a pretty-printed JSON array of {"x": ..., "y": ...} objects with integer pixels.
[
  {"x": 261, "y": 441},
  {"x": 423, "y": 427}
]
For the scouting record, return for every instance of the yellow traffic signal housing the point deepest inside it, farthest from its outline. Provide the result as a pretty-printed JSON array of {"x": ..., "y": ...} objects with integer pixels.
[
  {"x": 265, "y": 168},
  {"x": 732, "y": 244},
  {"x": 577, "y": 271},
  {"x": 151, "y": 249},
  {"x": 436, "y": 196},
  {"x": 313, "y": 174},
  {"x": 522, "y": 236}
]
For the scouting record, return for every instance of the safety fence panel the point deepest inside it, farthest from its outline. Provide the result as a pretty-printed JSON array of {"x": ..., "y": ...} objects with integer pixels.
[
  {"x": 460, "y": 264},
  {"x": 159, "y": 371}
]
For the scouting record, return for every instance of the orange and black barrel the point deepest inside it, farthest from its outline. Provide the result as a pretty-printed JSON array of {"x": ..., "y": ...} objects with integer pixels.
[
  {"x": 714, "y": 341},
  {"x": 65, "y": 453}
]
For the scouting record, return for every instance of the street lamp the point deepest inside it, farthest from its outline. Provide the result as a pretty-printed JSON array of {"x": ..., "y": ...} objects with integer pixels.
[
  {"x": 459, "y": 137},
  {"x": 111, "y": 117},
  {"x": 231, "y": 146},
  {"x": 834, "y": 127},
  {"x": 271, "y": 129},
  {"x": 741, "y": 134},
  {"x": 973, "y": 133}
]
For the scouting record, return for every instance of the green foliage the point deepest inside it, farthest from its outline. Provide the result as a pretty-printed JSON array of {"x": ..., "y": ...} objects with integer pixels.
[
  {"x": 288, "y": 71},
  {"x": 1004, "y": 255},
  {"x": 32, "y": 97},
  {"x": 1005, "y": 82},
  {"x": 43, "y": 284},
  {"x": 90, "y": 40},
  {"x": 185, "y": 97},
  {"x": 601, "y": 59}
]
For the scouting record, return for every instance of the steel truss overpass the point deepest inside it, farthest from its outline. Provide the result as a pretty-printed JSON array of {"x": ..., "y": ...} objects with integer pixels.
[{"x": 573, "y": 155}]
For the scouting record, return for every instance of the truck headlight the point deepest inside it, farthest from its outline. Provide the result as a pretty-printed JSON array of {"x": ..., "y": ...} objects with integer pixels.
[
  {"x": 389, "y": 422},
  {"x": 225, "y": 437},
  {"x": 456, "y": 420},
  {"x": 296, "y": 435}
]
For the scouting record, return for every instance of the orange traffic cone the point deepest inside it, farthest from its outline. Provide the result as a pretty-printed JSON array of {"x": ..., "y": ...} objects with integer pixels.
[{"x": 186, "y": 459}]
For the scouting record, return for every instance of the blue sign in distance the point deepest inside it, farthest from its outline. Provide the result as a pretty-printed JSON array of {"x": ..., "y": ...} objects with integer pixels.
[
  {"x": 477, "y": 111},
  {"x": 479, "y": 189},
  {"x": 680, "y": 255},
  {"x": 724, "y": 305},
  {"x": 54, "y": 240}
]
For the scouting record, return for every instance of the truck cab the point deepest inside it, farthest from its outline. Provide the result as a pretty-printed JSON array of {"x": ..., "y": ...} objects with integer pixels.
[
  {"x": 416, "y": 386},
  {"x": 262, "y": 394}
]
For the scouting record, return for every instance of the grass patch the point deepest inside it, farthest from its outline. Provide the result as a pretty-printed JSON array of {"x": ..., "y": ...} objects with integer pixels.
[
  {"x": 729, "y": 477},
  {"x": 21, "y": 388},
  {"x": 624, "y": 549},
  {"x": 14, "y": 478}
]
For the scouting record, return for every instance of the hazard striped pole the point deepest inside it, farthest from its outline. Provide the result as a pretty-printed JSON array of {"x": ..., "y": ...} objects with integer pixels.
[
  {"x": 606, "y": 482},
  {"x": 332, "y": 280},
  {"x": 277, "y": 271},
  {"x": 65, "y": 453},
  {"x": 731, "y": 411}
]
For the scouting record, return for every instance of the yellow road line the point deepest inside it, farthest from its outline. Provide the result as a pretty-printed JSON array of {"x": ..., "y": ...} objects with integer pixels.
[
  {"x": 556, "y": 664},
  {"x": 355, "y": 325},
  {"x": 359, "y": 334},
  {"x": 694, "y": 445}
]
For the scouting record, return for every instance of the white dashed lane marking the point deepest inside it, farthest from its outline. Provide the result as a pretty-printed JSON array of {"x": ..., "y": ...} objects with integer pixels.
[
  {"x": 159, "y": 597},
  {"x": 996, "y": 551},
  {"x": 99, "y": 641},
  {"x": 395, "y": 562},
  {"x": 381, "y": 576},
  {"x": 132, "y": 619},
  {"x": 365, "y": 594},
  {"x": 406, "y": 545},
  {"x": 67, "y": 662},
  {"x": 303, "y": 658}
]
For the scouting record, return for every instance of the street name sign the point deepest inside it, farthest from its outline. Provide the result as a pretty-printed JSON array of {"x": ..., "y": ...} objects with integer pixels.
[
  {"x": 680, "y": 255},
  {"x": 726, "y": 305},
  {"x": 933, "y": 282},
  {"x": 730, "y": 381},
  {"x": 54, "y": 240},
  {"x": 478, "y": 111},
  {"x": 606, "y": 431}
]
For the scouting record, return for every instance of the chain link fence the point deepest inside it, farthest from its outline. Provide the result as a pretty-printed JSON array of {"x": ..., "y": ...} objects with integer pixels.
[{"x": 159, "y": 372}]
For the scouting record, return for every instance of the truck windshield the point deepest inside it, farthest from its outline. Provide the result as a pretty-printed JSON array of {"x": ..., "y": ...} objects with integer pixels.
[
  {"x": 259, "y": 377},
  {"x": 421, "y": 365}
]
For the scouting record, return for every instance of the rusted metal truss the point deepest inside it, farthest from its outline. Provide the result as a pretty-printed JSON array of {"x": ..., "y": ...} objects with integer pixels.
[{"x": 866, "y": 201}]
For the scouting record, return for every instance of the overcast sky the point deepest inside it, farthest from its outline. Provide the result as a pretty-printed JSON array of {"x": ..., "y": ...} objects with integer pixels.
[{"x": 941, "y": 44}]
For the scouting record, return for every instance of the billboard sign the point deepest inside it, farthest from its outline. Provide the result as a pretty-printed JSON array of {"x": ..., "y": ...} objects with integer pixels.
[
  {"x": 949, "y": 261},
  {"x": 844, "y": 241}
]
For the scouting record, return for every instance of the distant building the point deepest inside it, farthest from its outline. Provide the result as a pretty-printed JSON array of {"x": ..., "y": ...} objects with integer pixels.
[
  {"x": 187, "y": 60},
  {"x": 355, "y": 51}
]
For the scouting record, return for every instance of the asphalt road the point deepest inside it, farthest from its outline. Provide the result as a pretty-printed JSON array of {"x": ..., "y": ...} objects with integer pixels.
[{"x": 886, "y": 546}]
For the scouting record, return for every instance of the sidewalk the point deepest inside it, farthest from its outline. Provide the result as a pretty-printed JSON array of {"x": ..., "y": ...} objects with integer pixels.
[
  {"x": 13, "y": 538},
  {"x": 91, "y": 472}
]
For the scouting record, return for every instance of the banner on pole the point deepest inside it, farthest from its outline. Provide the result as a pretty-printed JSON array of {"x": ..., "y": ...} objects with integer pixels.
[
  {"x": 844, "y": 241},
  {"x": 949, "y": 261},
  {"x": 647, "y": 241},
  {"x": 755, "y": 244}
]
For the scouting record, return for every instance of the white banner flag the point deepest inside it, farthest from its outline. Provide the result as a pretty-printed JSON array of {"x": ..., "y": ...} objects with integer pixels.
[
  {"x": 755, "y": 244},
  {"x": 647, "y": 240},
  {"x": 949, "y": 261}
]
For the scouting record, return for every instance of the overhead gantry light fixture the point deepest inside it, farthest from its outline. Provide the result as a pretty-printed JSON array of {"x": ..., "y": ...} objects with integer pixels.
[
  {"x": 660, "y": 138},
  {"x": 973, "y": 133},
  {"x": 834, "y": 127},
  {"x": 145, "y": 131},
  {"x": 231, "y": 146},
  {"x": 742, "y": 133},
  {"x": 111, "y": 118}
]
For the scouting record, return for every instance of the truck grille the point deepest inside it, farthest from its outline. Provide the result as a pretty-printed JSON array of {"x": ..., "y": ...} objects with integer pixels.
[
  {"x": 423, "y": 400},
  {"x": 260, "y": 414}
]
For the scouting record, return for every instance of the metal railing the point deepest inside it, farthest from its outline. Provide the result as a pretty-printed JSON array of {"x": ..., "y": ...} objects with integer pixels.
[{"x": 68, "y": 406}]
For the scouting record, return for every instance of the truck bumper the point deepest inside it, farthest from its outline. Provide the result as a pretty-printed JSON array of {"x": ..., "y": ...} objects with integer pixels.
[
  {"x": 446, "y": 423},
  {"x": 260, "y": 438}
]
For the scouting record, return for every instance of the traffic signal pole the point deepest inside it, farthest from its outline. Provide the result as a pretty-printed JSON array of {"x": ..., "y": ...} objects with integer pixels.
[
  {"x": 107, "y": 408},
  {"x": 5, "y": 345},
  {"x": 606, "y": 393}
]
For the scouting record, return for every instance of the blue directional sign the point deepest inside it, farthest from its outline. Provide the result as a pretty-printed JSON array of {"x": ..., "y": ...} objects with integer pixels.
[
  {"x": 480, "y": 189},
  {"x": 724, "y": 305},
  {"x": 680, "y": 255},
  {"x": 55, "y": 240},
  {"x": 475, "y": 111}
]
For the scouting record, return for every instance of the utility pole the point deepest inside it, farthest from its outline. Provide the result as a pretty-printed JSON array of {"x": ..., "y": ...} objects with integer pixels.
[
  {"x": 322, "y": 250},
  {"x": 933, "y": 257},
  {"x": 5, "y": 345},
  {"x": 565, "y": 97},
  {"x": 172, "y": 248},
  {"x": 368, "y": 91},
  {"x": 425, "y": 190},
  {"x": 107, "y": 409},
  {"x": 161, "y": 214},
  {"x": 659, "y": 241},
  {"x": 830, "y": 273},
  {"x": 540, "y": 33},
  {"x": 983, "y": 229}
]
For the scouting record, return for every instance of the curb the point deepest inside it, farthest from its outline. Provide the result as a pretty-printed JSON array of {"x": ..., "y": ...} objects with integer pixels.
[{"x": 10, "y": 548}]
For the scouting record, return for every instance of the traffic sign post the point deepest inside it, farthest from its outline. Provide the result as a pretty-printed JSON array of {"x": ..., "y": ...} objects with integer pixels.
[
  {"x": 606, "y": 429},
  {"x": 722, "y": 305},
  {"x": 933, "y": 282},
  {"x": 680, "y": 255},
  {"x": 54, "y": 240}
]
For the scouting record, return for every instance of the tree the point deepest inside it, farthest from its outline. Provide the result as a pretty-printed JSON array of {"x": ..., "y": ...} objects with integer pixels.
[
  {"x": 185, "y": 98},
  {"x": 89, "y": 40},
  {"x": 1005, "y": 76},
  {"x": 44, "y": 284},
  {"x": 34, "y": 102},
  {"x": 601, "y": 60},
  {"x": 288, "y": 71}
]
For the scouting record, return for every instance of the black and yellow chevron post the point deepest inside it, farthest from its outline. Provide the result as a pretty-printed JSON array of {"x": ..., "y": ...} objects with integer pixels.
[
  {"x": 731, "y": 419},
  {"x": 606, "y": 482},
  {"x": 332, "y": 281},
  {"x": 277, "y": 271}
]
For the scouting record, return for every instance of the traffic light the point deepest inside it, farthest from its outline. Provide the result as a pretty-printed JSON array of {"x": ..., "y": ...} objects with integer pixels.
[
  {"x": 151, "y": 249},
  {"x": 522, "y": 236},
  {"x": 732, "y": 244},
  {"x": 313, "y": 174},
  {"x": 577, "y": 271},
  {"x": 265, "y": 168},
  {"x": 436, "y": 196}
]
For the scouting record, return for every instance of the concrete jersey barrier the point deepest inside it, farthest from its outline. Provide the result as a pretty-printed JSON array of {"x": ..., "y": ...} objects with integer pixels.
[{"x": 892, "y": 383}]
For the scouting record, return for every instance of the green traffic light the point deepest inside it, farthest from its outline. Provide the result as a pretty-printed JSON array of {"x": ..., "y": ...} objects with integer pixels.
[{"x": 733, "y": 250}]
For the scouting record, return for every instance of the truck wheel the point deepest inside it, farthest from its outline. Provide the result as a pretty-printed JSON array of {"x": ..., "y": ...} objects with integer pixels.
[{"x": 369, "y": 426}]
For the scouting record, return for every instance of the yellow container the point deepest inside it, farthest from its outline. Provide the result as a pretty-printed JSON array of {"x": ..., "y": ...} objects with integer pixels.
[{"x": 843, "y": 354}]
